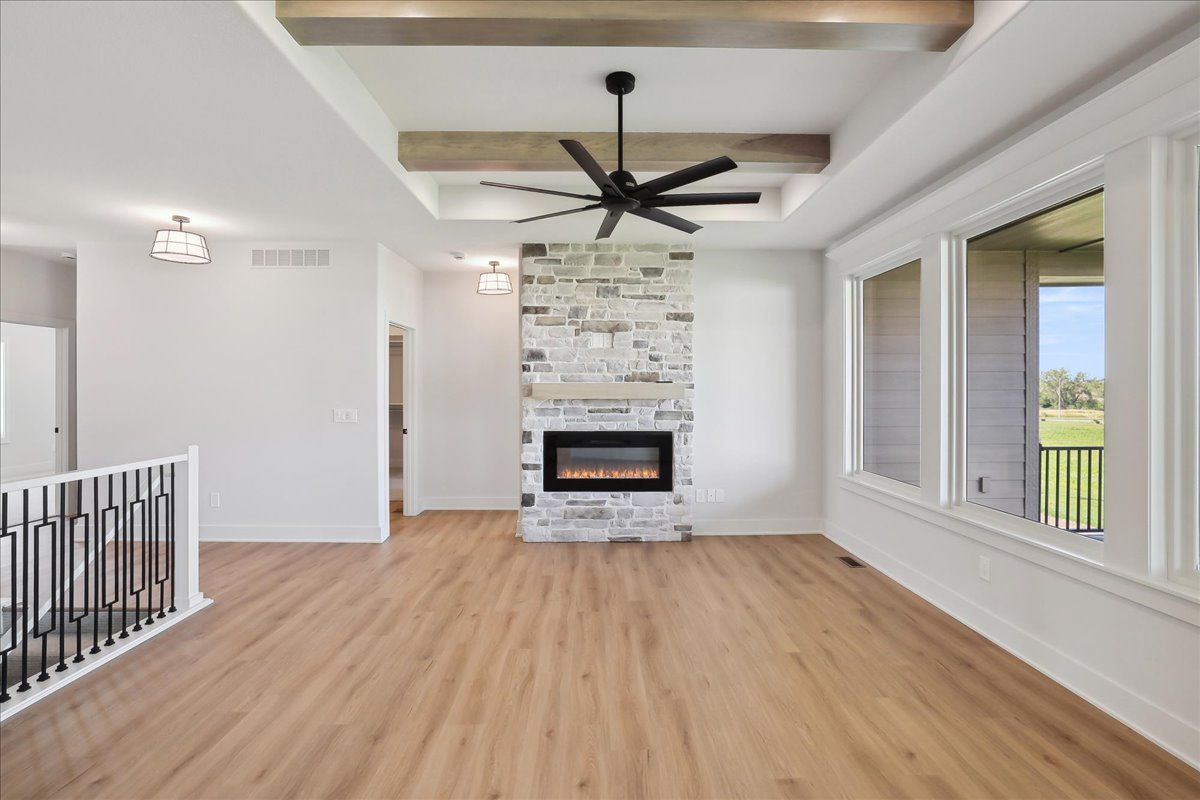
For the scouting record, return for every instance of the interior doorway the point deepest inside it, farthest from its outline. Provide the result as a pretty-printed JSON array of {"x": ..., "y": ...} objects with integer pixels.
[
  {"x": 33, "y": 401},
  {"x": 397, "y": 431}
]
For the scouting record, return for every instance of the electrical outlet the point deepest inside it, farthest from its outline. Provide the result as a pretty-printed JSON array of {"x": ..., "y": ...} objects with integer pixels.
[
  {"x": 720, "y": 495},
  {"x": 345, "y": 415},
  {"x": 712, "y": 495},
  {"x": 985, "y": 569},
  {"x": 214, "y": 499},
  {"x": 700, "y": 494}
]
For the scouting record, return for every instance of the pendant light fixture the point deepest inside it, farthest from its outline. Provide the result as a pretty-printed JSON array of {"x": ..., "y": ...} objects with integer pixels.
[
  {"x": 494, "y": 282},
  {"x": 180, "y": 246}
]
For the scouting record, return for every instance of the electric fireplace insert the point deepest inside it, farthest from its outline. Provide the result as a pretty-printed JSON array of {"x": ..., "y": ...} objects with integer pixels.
[{"x": 607, "y": 461}]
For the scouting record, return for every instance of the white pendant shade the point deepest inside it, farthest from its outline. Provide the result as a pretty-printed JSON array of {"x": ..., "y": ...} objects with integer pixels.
[
  {"x": 494, "y": 282},
  {"x": 180, "y": 246}
]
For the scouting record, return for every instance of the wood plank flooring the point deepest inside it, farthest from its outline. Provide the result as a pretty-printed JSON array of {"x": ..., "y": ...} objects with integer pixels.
[{"x": 456, "y": 661}]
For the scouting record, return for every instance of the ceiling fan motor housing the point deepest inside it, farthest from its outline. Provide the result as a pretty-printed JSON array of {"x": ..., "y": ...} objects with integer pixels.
[{"x": 624, "y": 180}]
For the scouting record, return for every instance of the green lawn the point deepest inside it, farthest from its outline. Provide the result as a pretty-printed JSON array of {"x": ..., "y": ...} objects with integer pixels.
[{"x": 1078, "y": 430}]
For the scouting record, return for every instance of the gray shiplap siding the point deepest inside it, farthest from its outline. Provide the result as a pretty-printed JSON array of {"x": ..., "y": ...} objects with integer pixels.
[
  {"x": 892, "y": 374},
  {"x": 998, "y": 349}
]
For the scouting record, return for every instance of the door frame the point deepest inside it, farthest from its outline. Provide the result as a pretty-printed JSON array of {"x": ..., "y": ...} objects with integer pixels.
[
  {"x": 64, "y": 339},
  {"x": 409, "y": 448}
]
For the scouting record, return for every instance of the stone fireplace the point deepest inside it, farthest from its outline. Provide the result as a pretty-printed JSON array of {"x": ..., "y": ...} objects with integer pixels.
[{"x": 606, "y": 381}]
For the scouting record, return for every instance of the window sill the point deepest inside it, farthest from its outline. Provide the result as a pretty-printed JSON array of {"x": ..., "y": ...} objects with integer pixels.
[{"x": 1081, "y": 560}]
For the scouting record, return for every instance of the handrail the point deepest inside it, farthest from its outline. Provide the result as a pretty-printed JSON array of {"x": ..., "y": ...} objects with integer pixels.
[{"x": 84, "y": 474}]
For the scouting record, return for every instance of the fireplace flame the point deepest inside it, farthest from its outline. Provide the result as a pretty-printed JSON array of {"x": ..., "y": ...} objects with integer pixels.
[{"x": 602, "y": 472}]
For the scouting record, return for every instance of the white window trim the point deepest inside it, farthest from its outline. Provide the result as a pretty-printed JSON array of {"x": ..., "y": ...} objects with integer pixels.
[
  {"x": 852, "y": 293},
  {"x": 1086, "y": 178},
  {"x": 1181, "y": 407}
]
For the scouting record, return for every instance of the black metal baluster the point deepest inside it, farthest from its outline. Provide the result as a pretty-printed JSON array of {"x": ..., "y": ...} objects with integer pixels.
[
  {"x": 12, "y": 578},
  {"x": 37, "y": 613},
  {"x": 24, "y": 686},
  {"x": 1044, "y": 481},
  {"x": 151, "y": 536},
  {"x": 171, "y": 538},
  {"x": 124, "y": 555},
  {"x": 1090, "y": 496},
  {"x": 133, "y": 551},
  {"x": 62, "y": 534},
  {"x": 147, "y": 521},
  {"x": 1057, "y": 484},
  {"x": 104, "y": 567},
  {"x": 87, "y": 547},
  {"x": 98, "y": 546},
  {"x": 160, "y": 539},
  {"x": 1100, "y": 506},
  {"x": 1078, "y": 489}
]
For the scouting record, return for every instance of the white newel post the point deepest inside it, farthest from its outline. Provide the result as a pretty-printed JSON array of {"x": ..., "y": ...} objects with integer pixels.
[{"x": 187, "y": 537}]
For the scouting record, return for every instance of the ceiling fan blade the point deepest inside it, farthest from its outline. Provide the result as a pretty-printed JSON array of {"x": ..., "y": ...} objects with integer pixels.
[
  {"x": 588, "y": 164},
  {"x": 696, "y": 172},
  {"x": 539, "y": 191},
  {"x": 559, "y": 213},
  {"x": 717, "y": 199},
  {"x": 663, "y": 218},
  {"x": 610, "y": 222}
]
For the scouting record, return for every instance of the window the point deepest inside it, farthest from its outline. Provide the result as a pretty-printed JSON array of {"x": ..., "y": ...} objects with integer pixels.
[
  {"x": 891, "y": 374},
  {"x": 1035, "y": 367}
]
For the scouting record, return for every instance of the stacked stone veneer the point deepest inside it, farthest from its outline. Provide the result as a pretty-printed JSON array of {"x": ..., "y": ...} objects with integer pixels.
[{"x": 602, "y": 312}]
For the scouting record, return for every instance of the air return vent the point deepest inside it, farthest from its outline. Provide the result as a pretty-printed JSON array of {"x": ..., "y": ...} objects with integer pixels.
[{"x": 291, "y": 258}]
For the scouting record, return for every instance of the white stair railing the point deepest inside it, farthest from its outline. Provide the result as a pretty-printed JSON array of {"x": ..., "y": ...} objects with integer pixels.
[{"x": 92, "y": 563}]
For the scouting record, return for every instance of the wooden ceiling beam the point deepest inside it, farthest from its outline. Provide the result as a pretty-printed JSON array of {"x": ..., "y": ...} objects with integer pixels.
[
  {"x": 527, "y": 151},
  {"x": 901, "y": 25}
]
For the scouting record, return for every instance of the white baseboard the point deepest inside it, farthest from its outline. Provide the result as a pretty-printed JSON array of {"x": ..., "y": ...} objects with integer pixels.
[
  {"x": 1155, "y": 723},
  {"x": 346, "y": 534},
  {"x": 93, "y": 662},
  {"x": 756, "y": 527},
  {"x": 509, "y": 503}
]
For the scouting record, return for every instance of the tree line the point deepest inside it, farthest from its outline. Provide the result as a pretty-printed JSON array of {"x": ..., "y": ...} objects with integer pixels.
[{"x": 1060, "y": 389}]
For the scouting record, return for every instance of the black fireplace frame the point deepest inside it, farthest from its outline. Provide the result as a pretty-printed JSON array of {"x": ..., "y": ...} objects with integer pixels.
[{"x": 663, "y": 440}]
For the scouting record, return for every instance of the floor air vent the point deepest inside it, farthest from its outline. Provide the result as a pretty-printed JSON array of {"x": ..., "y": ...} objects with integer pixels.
[
  {"x": 850, "y": 562},
  {"x": 290, "y": 258}
]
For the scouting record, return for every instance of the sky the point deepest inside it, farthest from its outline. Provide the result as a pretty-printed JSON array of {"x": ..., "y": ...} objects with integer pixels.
[{"x": 1071, "y": 329}]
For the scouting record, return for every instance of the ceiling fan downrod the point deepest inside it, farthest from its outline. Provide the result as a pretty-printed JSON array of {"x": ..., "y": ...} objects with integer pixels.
[{"x": 621, "y": 194}]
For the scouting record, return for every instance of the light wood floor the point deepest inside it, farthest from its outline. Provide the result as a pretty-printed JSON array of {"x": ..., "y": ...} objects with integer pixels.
[{"x": 455, "y": 661}]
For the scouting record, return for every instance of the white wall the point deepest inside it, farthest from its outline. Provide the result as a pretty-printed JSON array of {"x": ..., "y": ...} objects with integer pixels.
[
  {"x": 470, "y": 390},
  {"x": 41, "y": 291},
  {"x": 28, "y": 448},
  {"x": 1099, "y": 619},
  {"x": 758, "y": 390},
  {"x": 33, "y": 288},
  {"x": 248, "y": 364},
  {"x": 757, "y": 403}
]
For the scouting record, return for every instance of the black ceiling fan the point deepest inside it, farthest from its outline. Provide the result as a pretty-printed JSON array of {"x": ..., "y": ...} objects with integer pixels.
[{"x": 621, "y": 193}]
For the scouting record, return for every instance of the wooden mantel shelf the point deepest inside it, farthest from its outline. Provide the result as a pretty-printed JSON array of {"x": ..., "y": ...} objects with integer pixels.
[{"x": 606, "y": 391}]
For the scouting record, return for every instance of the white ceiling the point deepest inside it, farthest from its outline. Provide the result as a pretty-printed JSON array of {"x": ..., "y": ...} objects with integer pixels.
[
  {"x": 562, "y": 88},
  {"x": 115, "y": 115}
]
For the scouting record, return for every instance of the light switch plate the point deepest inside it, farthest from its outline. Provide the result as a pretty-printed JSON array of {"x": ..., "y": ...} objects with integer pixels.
[
  {"x": 345, "y": 415},
  {"x": 985, "y": 569},
  {"x": 720, "y": 495},
  {"x": 700, "y": 493}
]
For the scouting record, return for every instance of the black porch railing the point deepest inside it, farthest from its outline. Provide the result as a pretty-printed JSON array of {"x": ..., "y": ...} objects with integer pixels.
[
  {"x": 1071, "y": 488},
  {"x": 83, "y": 563}
]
